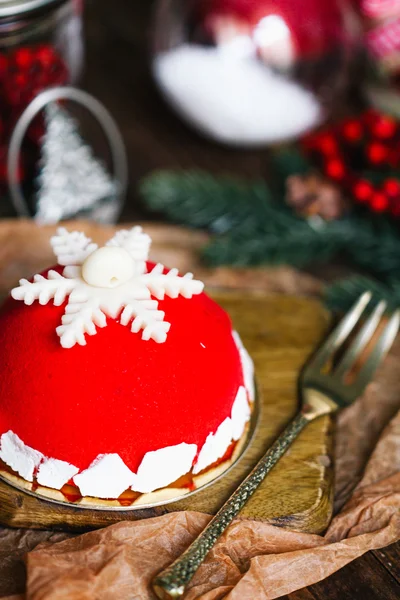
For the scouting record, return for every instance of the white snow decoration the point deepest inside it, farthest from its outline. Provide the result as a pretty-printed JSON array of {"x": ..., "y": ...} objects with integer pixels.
[
  {"x": 89, "y": 305},
  {"x": 162, "y": 467},
  {"x": 229, "y": 94},
  {"x": 146, "y": 316},
  {"x": 55, "y": 473},
  {"x": 71, "y": 247},
  {"x": 42, "y": 289},
  {"x": 136, "y": 243},
  {"x": 80, "y": 318},
  {"x": 247, "y": 366},
  {"x": 240, "y": 413},
  {"x": 72, "y": 179},
  {"x": 20, "y": 457},
  {"x": 215, "y": 446},
  {"x": 106, "y": 477}
]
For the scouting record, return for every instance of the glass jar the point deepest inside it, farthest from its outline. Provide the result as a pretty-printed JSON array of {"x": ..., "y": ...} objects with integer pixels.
[
  {"x": 253, "y": 72},
  {"x": 40, "y": 47}
]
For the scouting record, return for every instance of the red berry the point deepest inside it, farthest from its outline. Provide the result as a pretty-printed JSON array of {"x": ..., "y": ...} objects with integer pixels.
[
  {"x": 3, "y": 170},
  {"x": 352, "y": 130},
  {"x": 20, "y": 81},
  {"x": 335, "y": 169},
  {"x": 3, "y": 65},
  {"x": 395, "y": 207},
  {"x": 14, "y": 96},
  {"x": 391, "y": 187},
  {"x": 363, "y": 190},
  {"x": 46, "y": 56},
  {"x": 370, "y": 117},
  {"x": 327, "y": 144},
  {"x": 377, "y": 153},
  {"x": 379, "y": 202},
  {"x": 23, "y": 58},
  {"x": 384, "y": 128},
  {"x": 394, "y": 158}
]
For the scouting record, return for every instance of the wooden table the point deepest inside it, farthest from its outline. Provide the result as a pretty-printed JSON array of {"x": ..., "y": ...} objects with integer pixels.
[{"x": 117, "y": 73}]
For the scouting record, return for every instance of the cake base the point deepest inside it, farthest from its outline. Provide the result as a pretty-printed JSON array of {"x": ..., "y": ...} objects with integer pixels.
[{"x": 134, "y": 501}]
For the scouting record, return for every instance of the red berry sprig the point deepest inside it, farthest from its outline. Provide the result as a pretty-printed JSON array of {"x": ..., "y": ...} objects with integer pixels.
[
  {"x": 25, "y": 72},
  {"x": 348, "y": 152}
]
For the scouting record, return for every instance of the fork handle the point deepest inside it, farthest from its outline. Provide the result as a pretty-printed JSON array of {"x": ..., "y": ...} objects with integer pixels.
[{"x": 172, "y": 581}]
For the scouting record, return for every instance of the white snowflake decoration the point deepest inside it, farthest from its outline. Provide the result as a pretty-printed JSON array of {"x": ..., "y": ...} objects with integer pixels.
[{"x": 111, "y": 281}]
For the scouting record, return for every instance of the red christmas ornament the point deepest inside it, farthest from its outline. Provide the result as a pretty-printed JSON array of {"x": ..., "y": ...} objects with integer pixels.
[{"x": 321, "y": 28}]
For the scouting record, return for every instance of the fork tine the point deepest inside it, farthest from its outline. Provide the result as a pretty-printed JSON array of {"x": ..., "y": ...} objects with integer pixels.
[
  {"x": 361, "y": 340},
  {"x": 340, "y": 333},
  {"x": 378, "y": 353}
]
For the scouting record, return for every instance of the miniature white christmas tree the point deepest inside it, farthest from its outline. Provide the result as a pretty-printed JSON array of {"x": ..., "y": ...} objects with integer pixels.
[
  {"x": 71, "y": 180},
  {"x": 111, "y": 281}
]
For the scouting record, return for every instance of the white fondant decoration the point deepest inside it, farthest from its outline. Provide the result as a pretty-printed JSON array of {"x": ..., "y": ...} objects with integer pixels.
[
  {"x": 162, "y": 467},
  {"x": 136, "y": 243},
  {"x": 71, "y": 248},
  {"x": 240, "y": 413},
  {"x": 247, "y": 366},
  {"x": 88, "y": 304},
  {"x": 108, "y": 267},
  {"x": 55, "y": 473},
  {"x": 42, "y": 289},
  {"x": 107, "y": 477},
  {"x": 215, "y": 446},
  {"x": 20, "y": 457}
]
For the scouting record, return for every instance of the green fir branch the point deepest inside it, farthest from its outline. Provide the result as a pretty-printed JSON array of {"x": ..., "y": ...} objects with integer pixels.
[
  {"x": 375, "y": 246},
  {"x": 253, "y": 226},
  {"x": 298, "y": 246},
  {"x": 341, "y": 295},
  {"x": 198, "y": 199}
]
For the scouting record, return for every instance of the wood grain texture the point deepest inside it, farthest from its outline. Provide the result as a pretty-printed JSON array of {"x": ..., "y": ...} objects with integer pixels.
[
  {"x": 390, "y": 558},
  {"x": 280, "y": 332},
  {"x": 363, "y": 579}
]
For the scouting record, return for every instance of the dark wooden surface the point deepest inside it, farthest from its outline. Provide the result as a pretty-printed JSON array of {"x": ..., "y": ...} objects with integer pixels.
[{"x": 117, "y": 73}]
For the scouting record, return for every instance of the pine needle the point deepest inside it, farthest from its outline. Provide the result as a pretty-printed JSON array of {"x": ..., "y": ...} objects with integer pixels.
[{"x": 253, "y": 226}]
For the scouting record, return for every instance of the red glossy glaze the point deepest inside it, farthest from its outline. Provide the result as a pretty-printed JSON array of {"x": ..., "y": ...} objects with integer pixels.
[{"x": 118, "y": 393}]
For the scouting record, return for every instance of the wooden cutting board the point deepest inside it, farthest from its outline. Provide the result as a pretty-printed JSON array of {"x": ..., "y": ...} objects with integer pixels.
[{"x": 280, "y": 333}]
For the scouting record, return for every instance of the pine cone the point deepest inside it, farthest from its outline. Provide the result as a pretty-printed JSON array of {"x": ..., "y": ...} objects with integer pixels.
[{"x": 312, "y": 195}]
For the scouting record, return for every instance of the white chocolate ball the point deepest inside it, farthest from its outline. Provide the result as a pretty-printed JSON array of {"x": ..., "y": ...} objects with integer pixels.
[{"x": 108, "y": 267}]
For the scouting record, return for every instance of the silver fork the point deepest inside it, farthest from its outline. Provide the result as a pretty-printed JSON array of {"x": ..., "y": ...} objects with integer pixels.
[{"x": 322, "y": 393}]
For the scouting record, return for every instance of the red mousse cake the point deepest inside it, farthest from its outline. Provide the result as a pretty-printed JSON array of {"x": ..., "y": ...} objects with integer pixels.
[{"x": 119, "y": 376}]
